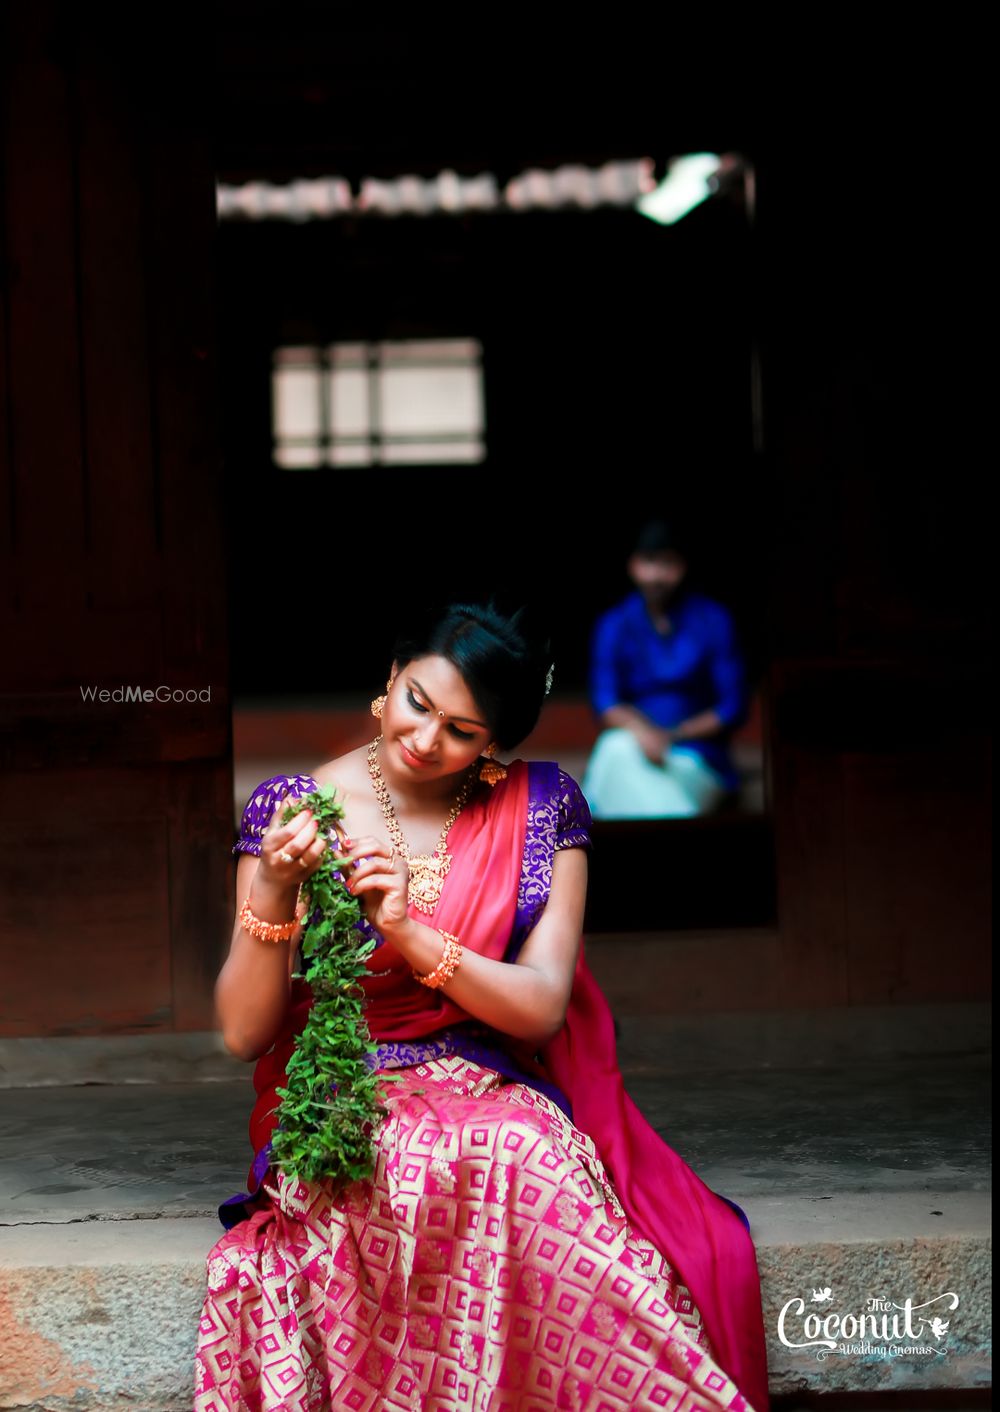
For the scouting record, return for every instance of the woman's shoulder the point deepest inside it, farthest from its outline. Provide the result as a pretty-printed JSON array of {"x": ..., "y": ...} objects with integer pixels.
[
  {"x": 344, "y": 774},
  {"x": 268, "y": 793},
  {"x": 346, "y": 771},
  {"x": 555, "y": 793},
  {"x": 546, "y": 771},
  {"x": 574, "y": 812},
  {"x": 276, "y": 787},
  {"x": 260, "y": 806}
]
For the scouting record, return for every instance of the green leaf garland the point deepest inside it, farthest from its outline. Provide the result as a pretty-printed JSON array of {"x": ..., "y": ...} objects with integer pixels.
[{"x": 330, "y": 1112}]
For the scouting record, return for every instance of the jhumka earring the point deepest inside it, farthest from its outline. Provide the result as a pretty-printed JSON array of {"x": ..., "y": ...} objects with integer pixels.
[
  {"x": 379, "y": 702},
  {"x": 492, "y": 772}
]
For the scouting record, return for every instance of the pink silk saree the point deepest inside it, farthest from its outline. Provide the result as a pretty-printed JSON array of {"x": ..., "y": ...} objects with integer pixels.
[{"x": 506, "y": 1255}]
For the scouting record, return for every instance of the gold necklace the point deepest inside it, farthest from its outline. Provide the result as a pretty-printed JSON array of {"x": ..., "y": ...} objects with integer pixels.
[{"x": 427, "y": 870}]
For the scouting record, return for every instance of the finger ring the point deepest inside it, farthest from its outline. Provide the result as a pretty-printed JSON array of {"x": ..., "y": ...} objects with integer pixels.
[{"x": 286, "y": 857}]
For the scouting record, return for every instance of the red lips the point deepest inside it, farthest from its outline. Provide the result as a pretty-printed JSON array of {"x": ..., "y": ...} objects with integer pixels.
[{"x": 415, "y": 761}]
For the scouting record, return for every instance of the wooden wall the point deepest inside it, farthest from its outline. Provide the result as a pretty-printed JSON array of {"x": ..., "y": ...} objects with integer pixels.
[
  {"x": 125, "y": 551},
  {"x": 116, "y": 818},
  {"x": 880, "y": 599}
]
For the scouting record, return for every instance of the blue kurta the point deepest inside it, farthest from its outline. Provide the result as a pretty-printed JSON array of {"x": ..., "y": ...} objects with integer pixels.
[{"x": 695, "y": 667}]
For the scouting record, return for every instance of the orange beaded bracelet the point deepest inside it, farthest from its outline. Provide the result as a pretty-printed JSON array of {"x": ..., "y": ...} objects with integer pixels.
[
  {"x": 447, "y": 966},
  {"x": 266, "y": 931}
]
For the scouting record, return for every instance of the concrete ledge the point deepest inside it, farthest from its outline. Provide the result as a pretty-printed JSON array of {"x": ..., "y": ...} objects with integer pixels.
[
  {"x": 48, "y": 1062},
  {"x": 781, "y": 1039},
  {"x": 865, "y": 1247},
  {"x": 648, "y": 1038},
  {"x": 101, "y": 1316}
]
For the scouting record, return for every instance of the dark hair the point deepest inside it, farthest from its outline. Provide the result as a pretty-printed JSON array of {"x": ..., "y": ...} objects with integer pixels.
[
  {"x": 504, "y": 659},
  {"x": 656, "y": 537}
]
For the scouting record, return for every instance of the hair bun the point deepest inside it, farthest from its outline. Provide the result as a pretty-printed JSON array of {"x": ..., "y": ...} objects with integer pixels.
[{"x": 505, "y": 656}]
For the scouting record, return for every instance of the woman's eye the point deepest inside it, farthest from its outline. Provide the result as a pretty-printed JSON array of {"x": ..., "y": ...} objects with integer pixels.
[{"x": 417, "y": 706}]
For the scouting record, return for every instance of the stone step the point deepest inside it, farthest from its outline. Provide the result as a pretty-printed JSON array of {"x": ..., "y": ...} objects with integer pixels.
[
  {"x": 857, "y": 1141},
  {"x": 101, "y": 1315}
]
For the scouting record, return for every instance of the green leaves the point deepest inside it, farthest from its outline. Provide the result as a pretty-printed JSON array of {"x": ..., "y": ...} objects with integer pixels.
[{"x": 330, "y": 1111}]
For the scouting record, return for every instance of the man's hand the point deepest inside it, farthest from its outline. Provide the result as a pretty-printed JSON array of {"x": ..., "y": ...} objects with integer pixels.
[{"x": 654, "y": 742}]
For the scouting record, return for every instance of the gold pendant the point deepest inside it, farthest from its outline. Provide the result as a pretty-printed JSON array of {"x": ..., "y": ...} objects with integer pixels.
[{"x": 427, "y": 874}]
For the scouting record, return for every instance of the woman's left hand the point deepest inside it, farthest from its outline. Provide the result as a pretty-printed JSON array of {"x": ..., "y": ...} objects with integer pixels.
[{"x": 380, "y": 880}]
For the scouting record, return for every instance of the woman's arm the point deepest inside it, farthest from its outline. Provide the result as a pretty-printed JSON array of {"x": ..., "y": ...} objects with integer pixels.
[
  {"x": 526, "y": 999},
  {"x": 254, "y": 985},
  {"x": 252, "y": 991}
]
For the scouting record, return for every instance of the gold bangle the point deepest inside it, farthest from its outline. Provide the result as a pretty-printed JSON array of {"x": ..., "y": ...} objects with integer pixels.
[
  {"x": 266, "y": 931},
  {"x": 447, "y": 966}
]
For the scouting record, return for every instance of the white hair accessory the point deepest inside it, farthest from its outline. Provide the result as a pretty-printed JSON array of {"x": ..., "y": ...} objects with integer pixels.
[{"x": 548, "y": 678}]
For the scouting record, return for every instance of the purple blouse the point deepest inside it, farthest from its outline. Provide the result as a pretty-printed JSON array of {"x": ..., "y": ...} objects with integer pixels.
[
  {"x": 558, "y": 817},
  {"x": 555, "y": 801}
]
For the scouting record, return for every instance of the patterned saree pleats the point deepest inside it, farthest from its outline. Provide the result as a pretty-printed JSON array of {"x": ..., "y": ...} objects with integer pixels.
[{"x": 487, "y": 1267}]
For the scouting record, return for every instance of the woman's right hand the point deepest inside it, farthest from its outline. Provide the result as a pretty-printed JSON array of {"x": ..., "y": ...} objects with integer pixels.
[{"x": 290, "y": 853}]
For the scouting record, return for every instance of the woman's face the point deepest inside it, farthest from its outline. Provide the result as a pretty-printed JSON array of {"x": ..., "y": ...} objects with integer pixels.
[{"x": 431, "y": 725}]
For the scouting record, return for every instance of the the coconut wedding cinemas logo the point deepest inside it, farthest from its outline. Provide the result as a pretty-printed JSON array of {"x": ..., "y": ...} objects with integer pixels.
[
  {"x": 883, "y": 1328},
  {"x": 129, "y": 695}
]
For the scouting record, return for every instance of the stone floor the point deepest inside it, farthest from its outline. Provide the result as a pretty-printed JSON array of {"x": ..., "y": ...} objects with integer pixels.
[
  {"x": 857, "y": 1144},
  {"x": 910, "y": 1126}
]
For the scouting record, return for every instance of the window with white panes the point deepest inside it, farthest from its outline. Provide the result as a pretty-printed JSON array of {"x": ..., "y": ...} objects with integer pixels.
[{"x": 405, "y": 402}]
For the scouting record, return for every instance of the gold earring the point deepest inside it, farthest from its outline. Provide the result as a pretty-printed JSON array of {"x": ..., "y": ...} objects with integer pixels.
[
  {"x": 491, "y": 772},
  {"x": 379, "y": 702}
]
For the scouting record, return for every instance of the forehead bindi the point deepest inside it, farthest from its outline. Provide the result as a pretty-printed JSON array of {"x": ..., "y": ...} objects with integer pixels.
[{"x": 441, "y": 687}]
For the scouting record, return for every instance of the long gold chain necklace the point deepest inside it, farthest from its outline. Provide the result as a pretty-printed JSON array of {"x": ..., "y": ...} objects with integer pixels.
[{"x": 427, "y": 870}]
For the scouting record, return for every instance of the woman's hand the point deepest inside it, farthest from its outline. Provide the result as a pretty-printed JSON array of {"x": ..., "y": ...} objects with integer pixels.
[
  {"x": 290, "y": 853},
  {"x": 380, "y": 880}
]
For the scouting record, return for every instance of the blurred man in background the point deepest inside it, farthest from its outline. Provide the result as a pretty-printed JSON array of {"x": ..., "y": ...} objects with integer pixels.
[{"x": 668, "y": 684}]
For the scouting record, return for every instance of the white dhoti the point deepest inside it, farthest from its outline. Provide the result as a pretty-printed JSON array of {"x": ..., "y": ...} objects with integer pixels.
[{"x": 620, "y": 783}]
